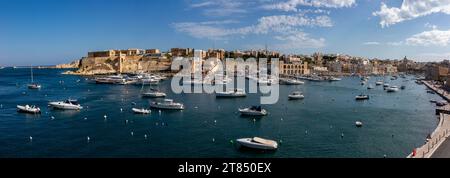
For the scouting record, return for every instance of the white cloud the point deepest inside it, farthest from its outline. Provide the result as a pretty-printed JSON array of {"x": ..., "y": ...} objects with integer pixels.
[
  {"x": 371, "y": 43},
  {"x": 276, "y": 23},
  {"x": 411, "y": 9},
  {"x": 297, "y": 39},
  {"x": 434, "y": 37},
  {"x": 428, "y": 25},
  {"x": 291, "y": 5},
  {"x": 221, "y": 7}
]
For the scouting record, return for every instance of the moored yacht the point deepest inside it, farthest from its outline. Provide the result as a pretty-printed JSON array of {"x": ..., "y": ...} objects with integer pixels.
[
  {"x": 392, "y": 89},
  {"x": 33, "y": 85},
  {"x": 28, "y": 109},
  {"x": 291, "y": 82},
  {"x": 168, "y": 104},
  {"x": 66, "y": 105},
  {"x": 141, "y": 111},
  {"x": 253, "y": 111},
  {"x": 154, "y": 94},
  {"x": 258, "y": 143},
  {"x": 362, "y": 97},
  {"x": 296, "y": 95},
  {"x": 334, "y": 79},
  {"x": 379, "y": 83},
  {"x": 234, "y": 93}
]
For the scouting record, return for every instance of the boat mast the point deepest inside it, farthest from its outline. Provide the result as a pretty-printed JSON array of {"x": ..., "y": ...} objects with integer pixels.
[{"x": 31, "y": 69}]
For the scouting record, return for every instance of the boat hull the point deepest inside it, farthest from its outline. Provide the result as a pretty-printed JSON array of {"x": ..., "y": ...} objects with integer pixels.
[
  {"x": 23, "y": 109},
  {"x": 246, "y": 142},
  {"x": 63, "y": 106},
  {"x": 166, "y": 107}
]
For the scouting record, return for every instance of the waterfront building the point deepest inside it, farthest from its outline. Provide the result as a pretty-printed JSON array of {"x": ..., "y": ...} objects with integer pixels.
[
  {"x": 216, "y": 53},
  {"x": 436, "y": 72},
  {"x": 293, "y": 68},
  {"x": 152, "y": 51},
  {"x": 182, "y": 52}
]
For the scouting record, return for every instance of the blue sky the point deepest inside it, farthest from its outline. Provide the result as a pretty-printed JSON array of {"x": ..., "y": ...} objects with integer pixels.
[{"x": 58, "y": 31}]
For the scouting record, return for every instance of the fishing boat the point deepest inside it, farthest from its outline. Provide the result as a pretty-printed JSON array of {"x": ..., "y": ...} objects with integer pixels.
[
  {"x": 258, "y": 143},
  {"x": 33, "y": 85},
  {"x": 168, "y": 104},
  {"x": 231, "y": 94},
  {"x": 66, "y": 105},
  {"x": 141, "y": 111},
  {"x": 253, "y": 111},
  {"x": 362, "y": 97},
  {"x": 28, "y": 109},
  {"x": 296, "y": 95}
]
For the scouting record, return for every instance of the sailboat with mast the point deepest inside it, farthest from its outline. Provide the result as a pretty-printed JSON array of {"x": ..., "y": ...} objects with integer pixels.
[{"x": 33, "y": 85}]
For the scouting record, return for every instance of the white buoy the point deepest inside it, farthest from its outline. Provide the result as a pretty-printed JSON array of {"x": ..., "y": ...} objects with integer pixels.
[
  {"x": 214, "y": 140},
  {"x": 88, "y": 139},
  {"x": 121, "y": 110},
  {"x": 159, "y": 112},
  {"x": 215, "y": 121},
  {"x": 132, "y": 133},
  {"x": 53, "y": 117},
  {"x": 105, "y": 116},
  {"x": 342, "y": 135},
  {"x": 31, "y": 138},
  {"x": 126, "y": 121},
  {"x": 85, "y": 118},
  {"x": 145, "y": 136},
  {"x": 281, "y": 119}
]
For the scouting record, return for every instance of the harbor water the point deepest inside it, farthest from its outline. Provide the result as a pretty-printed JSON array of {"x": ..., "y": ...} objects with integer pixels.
[{"x": 320, "y": 126}]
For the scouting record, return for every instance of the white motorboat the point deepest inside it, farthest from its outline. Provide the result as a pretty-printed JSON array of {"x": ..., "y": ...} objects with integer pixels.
[
  {"x": 234, "y": 93},
  {"x": 392, "y": 89},
  {"x": 66, "y": 105},
  {"x": 370, "y": 87},
  {"x": 113, "y": 79},
  {"x": 296, "y": 96},
  {"x": 167, "y": 104},
  {"x": 141, "y": 111},
  {"x": 334, "y": 79},
  {"x": 379, "y": 83},
  {"x": 193, "y": 82},
  {"x": 386, "y": 85},
  {"x": 28, "y": 109},
  {"x": 34, "y": 86},
  {"x": 291, "y": 82},
  {"x": 258, "y": 143},
  {"x": 154, "y": 94},
  {"x": 362, "y": 97},
  {"x": 253, "y": 111},
  {"x": 358, "y": 124}
]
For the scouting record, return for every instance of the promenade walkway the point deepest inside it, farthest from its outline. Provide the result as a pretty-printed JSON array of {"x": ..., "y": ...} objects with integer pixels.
[{"x": 439, "y": 136}]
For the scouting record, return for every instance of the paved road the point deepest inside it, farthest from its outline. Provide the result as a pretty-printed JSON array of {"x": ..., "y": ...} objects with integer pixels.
[{"x": 443, "y": 151}]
